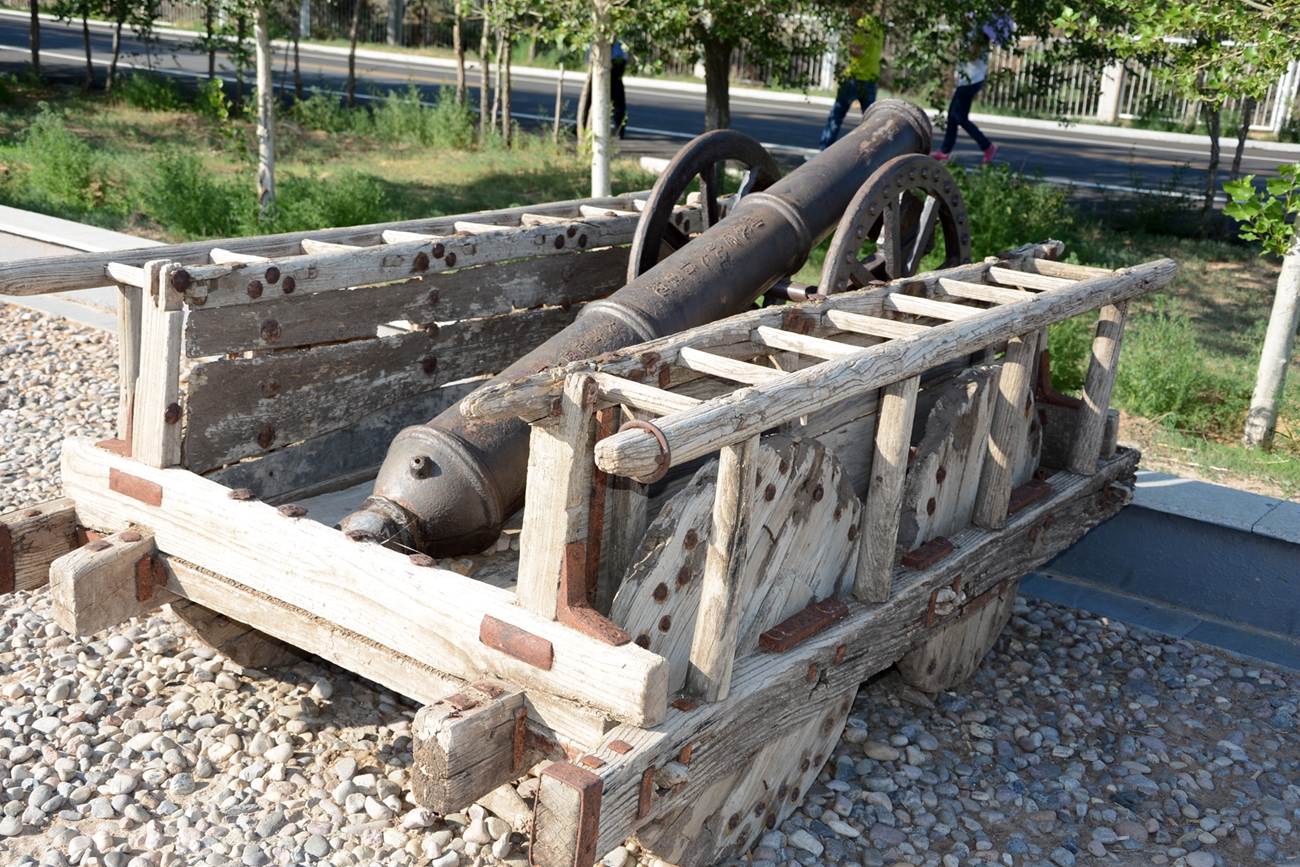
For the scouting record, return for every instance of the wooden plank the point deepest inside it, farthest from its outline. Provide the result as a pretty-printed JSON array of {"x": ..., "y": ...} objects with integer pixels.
[
  {"x": 340, "y": 458},
  {"x": 1026, "y": 280},
  {"x": 126, "y": 275},
  {"x": 242, "y": 407},
  {"x": 555, "y": 502},
  {"x": 725, "y": 368},
  {"x": 1053, "y": 268},
  {"x": 980, "y": 292},
  {"x": 873, "y": 325},
  {"x": 220, "y": 256},
  {"x": 473, "y": 228},
  {"x": 1097, "y": 387},
  {"x": 31, "y": 538},
  {"x": 770, "y": 694},
  {"x": 695, "y": 432},
  {"x": 717, "y": 623},
  {"x": 463, "y": 746},
  {"x": 881, "y": 512},
  {"x": 348, "y": 314},
  {"x": 155, "y": 426},
  {"x": 655, "y": 401},
  {"x": 900, "y": 303},
  {"x": 817, "y": 347},
  {"x": 130, "y": 309},
  {"x": 106, "y": 583},
  {"x": 426, "y": 613},
  {"x": 592, "y": 211},
  {"x": 311, "y": 246},
  {"x": 64, "y": 273},
  {"x": 1010, "y": 429}
]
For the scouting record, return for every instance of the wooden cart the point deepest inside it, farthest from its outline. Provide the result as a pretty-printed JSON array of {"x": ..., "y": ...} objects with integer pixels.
[{"x": 861, "y": 480}]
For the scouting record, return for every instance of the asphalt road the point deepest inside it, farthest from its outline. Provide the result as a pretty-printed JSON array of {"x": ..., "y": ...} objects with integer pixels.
[{"x": 661, "y": 118}]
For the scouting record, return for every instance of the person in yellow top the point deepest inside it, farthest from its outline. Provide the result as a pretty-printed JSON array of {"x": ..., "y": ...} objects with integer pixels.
[{"x": 860, "y": 75}]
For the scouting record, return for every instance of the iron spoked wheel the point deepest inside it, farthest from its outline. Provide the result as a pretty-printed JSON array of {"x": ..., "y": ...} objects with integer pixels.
[
  {"x": 700, "y": 158},
  {"x": 898, "y": 207}
]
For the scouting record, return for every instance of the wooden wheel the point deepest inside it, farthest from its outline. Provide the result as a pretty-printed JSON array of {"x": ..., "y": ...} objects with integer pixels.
[
  {"x": 801, "y": 550},
  {"x": 898, "y": 208},
  {"x": 700, "y": 158}
]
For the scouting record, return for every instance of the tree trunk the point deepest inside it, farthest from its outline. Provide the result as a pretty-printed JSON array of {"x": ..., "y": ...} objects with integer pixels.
[
  {"x": 209, "y": 10},
  {"x": 584, "y": 112},
  {"x": 1276, "y": 354},
  {"x": 717, "y": 74},
  {"x": 241, "y": 34},
  {"x": 484, "y": 82},
  {"x": 36, "y": 37},
  {"x": 265, "y": 114},
  {"x": 500, "y": 64},
  {"x": 297, "y": 65},
  {"x": 600, "y": 111},
  {"x": 1243, "y": 132},
  {"x": 395, "y": 15},
  {"x": 458, "y": 43},
  {"x": 117, "y": 52},
  {"x": 1212, "y": 171},
  {"x": 90, "y": 65},
  {"x": 352, "y": 52},
  {"x": 559, "y": 105},
  {"x": 505, "y": 91}
]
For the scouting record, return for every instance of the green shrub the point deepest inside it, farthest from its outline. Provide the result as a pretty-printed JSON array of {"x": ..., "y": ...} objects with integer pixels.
[
  {"x": 210, "y": 100},
  {"x": 405, "y": 119},
  {"x": 323, "y": 111},
  {"x": 1070, "y": 345},
  {"x": 151, "y": 91},
  {"x": 313, "y": 202},
  {"x": 62, "y": 167},
  {"x": 1007, "y": 209},
  {"x": 186, "y": 198}
]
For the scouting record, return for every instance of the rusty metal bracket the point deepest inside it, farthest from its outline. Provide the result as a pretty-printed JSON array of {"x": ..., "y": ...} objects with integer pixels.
[
  {"x": 588, "y": 787},
  {"x": 520, "y": 745},
  {"x": 149, "y": 493},
  {"x": 646, "y": 796},
  {"x": 927, "y": 554},
  {"x": 516, "y": 642},
  {"x": 8, "y": 568},
  {"x": 803, "y": 624},
  {"x": 983, "y": 599},
  {"x": 1030, "y": 492},
  {"x": 116, "y": 446},
  {"x": 1043, "y": 390},
  {"x": 931, "y": 615},
  {"x": 574, "y": 607},
  {"x": 665, "y": 458}
]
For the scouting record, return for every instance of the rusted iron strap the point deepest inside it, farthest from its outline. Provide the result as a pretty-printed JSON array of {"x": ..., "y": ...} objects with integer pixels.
[
  {"x": 144, "y": 579},
  {"x": 520, "y": 741},
  {"x": 646, "y": 797},
  {"x": 804, "y": 624},
  {"x": 927, "y": 554},
  {"x": 574, "y": 606},
  {"x": 515, "y": 642},
  {"x": 149, "y": 493},
  {"x": 116, "y": 446},
  {"x": 1043, "y": 390},
  {"x": 8, "y": 568},
  {"x": 984, "y": 598},
  {"x": 589, "y": 789},
  {"x": 1030, "y": 492}
]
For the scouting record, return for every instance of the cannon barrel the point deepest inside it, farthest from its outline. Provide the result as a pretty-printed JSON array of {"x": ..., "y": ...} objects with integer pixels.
[{"x": 447, "y": 487}]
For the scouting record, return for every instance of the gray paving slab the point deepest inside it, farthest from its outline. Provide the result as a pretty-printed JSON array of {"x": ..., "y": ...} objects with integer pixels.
[
  {"x": 1201, "y": 501},
  {"x": 1282, "y": 523}
]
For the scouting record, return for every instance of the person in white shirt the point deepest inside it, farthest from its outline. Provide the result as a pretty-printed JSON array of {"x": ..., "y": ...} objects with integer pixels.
[{"x": 970, "y": 79}]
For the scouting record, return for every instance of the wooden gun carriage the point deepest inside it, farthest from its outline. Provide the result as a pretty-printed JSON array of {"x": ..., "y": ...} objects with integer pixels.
[{"x": 726, "y": 530}]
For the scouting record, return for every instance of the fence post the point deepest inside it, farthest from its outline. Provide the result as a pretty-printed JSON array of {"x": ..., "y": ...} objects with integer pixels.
[
  {"x": 394, "y": 22},
  {"x": 304, "y": 20},
  {"x": 1286, "y": 92},
  {"x": 1112, "y": 84}
]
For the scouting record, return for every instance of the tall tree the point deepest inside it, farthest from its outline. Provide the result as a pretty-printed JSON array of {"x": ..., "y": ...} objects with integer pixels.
[
  {"x": 265, "y": 111},
  {"x": 70, "y": 10},
  {"x": 35, "y": 36},
  {"x": 353, "y": 33},
  {"x": 458, "y": 45}
]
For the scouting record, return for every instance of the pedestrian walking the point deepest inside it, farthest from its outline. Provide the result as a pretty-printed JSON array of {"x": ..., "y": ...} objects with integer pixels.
[
  {"x": 617, "y": 64},
  {"x": 861, "y": 74},
  {"x": 971, "y": 73}
]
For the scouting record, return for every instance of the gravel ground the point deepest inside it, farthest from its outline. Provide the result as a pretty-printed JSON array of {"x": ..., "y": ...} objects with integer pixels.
[{"x": 1079, "y": 741}]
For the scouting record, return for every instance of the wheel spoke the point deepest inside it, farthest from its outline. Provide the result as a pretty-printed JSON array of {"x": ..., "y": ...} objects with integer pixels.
[
  {"x": 924, "y": 235},
  {"x": 674, "y": 238},
  {"x": 709, "y": 193},
  {"x": 859, "y": 272}
]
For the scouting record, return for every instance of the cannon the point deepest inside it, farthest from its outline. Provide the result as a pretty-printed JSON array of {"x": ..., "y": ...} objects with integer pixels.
[{"x": 731, "y": 515}]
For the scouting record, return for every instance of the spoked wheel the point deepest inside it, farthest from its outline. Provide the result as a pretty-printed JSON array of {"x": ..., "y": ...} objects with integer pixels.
[
  {"x": 701, "y": 159},
  {"x": 898, "y": 208}
]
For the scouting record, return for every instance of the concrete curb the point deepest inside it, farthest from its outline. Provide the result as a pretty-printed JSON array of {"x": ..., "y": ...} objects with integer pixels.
[{"x": 1292, "y": 151}]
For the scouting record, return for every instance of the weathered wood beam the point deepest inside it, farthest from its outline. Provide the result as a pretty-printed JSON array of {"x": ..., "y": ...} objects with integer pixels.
[
  {"x": 1008, "y": 432},
  {"x": 816, "y": 347},
  {"x": 873, "y": 325},
  {"x": 466, "y": 744},
  {"x": 980, "y": 292},
  {"x": 1097, "y": 387},
  {"x": 725, "y": 368},
  {"x": 33, "y": 537},
  {"x": 640, "y": 396},
  {"x": 1025, "y": 280},
  {"x": 155, "y": 426},
  {"x": 107, "y": 582},
  {"x": 884, "y": 505}
]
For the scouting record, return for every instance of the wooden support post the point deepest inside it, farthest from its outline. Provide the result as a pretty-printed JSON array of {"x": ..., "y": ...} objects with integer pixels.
[
  {"x": 156, "y": 429},
  {"x": 31, "y": 539},
  {"x": 107, "y": 582},
  {"x": 129, "y": 307},
  {"x": 1007, "y": 435},
  {"x": 879, "y": 521},
  {"x": 1091, "y": 423},
  {"x": 466, "y": 744},
  {"x": 717, "y": 623},
  {"x": 625, "y": 507},
  {"x": 559, "y": 490}
]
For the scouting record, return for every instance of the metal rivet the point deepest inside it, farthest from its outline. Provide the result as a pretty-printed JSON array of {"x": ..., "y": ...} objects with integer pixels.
[
  {"x": 31, "y": 513},
  {"x": 812, "y": 672},
  {"x": 181, "y": 280},
  {"x": 451, "y": 260},
  {"x": 582, "y": 240},
  {"x": 853, "y": 532},
  {"x": 272, "y": 275},
  {"x": 270, "y": 388},
  {"x": 432, "y": 330},
  {"x": 661, "y": 593},
  {"x": 818, "y": 493},
  {"x": 940, "y": 474},
  {"x": 429, "y": 364},
  {"x": 684, "y": 575},
  {"x": 439, "y": 250},
  {"x": 98, "y": 545},
  {"x": 433, "y": 297},
  {"x": 172, "y": 414},
  {"x": 292, "y": 510},
  {"x": 783, "y": 467},
  {"x": 665, "y": 623},
  {"x": 421, "y": 261},
  {"x": 130, "y": 536},
  {"x": 559, "y": 242},
  {"x": 289, "y": 285},
  {"x": 769, "y": 493},
  {"x": 266, "y": 436},
  {"x": 930, "y": 506},
  {"x": 241, "y": 494},
  {"x": 642, "y": 641},
  {"x": 422, "y": 560},
  {"x": 692, "y": 539},
  {"x": 270, "y": 331},
  {"x": 255, "y": 289}
]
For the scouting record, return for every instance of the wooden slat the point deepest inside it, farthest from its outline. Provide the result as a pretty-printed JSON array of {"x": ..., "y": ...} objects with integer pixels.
[
  {"x": 311, "y": 246},
  {"x": 96, "y": 588},
  {"x": 426, "y": 613},
  {"x": 1097, "y": 387},
  {"x": 31, "y": 538},
  {"x": 219, "y": 256},
  {"x": 726, "y": 368},
  {"x": 155, "y": 426},
  {"x": 655, "y": 401},
  {"x": 1053, "y": 268},
  {"x": 879, "y": 521},
  {"x": 1007, "y": 434},
  {"x": 978, "y": 292},
  {"x": 348, "y": 314},
  {"x": 723, "y": 590},
  {"x": 127, "y": 275},
  {"x": 555, "y": 502},
  {"x": 592, "y": 211},
  {"x": 1026, "y": 280},
  {"x": 926, "y": 307},
  {"x": 130, "y": 308},
  {"x": 397, "y": 236},
  {"x": 815, "y": 346},
  {"x": 873, "y": 325},
  {"x": 696, "y": 432},
  {"x": 242, "y": 407}
]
